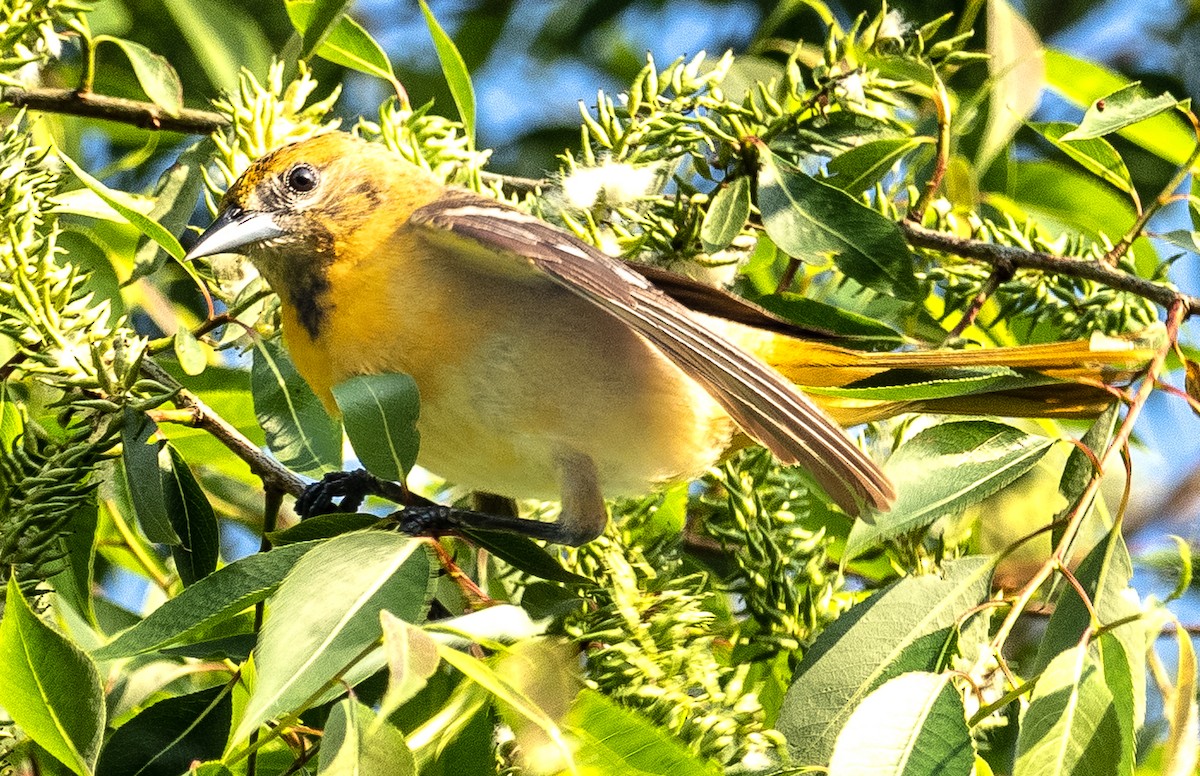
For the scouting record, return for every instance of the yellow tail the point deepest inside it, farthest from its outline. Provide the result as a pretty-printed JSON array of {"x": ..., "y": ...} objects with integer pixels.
[{"x": 1084, "y": 367}]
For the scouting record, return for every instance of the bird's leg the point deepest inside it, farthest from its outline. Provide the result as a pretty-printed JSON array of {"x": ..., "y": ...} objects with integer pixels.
[
  {"x": 352, "y": 488},
  {"x": 583, "y": 517}
]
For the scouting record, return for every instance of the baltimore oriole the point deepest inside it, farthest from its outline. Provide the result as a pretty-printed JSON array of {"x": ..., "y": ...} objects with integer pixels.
[{"x": 546, "y": 367}]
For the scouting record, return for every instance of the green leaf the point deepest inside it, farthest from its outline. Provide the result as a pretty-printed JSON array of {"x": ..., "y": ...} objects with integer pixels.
[
  {"x": 313, "y": 634},
  {"x": 74, "y": 582},
  {"x": 863, "y": 166},
  {"x": 455, "y": 70},
  {"x": 320, "y": 21},
  {"x": 524, "y": 554},
  {"x": 1104, "y": 574},
  {"x": 942, "y": 471},
  {"x": 380, "y": 414},
  {"x": 1184, "y": 582},
  {"x": 1126, "y": 106},
  {"x": 929, "y": 384},
  {"x": 11, "y": 425},
  {"x": 347, "y": 44},
  {"x": 51, "y": 689},
  {"x": 904, "y": 627},
  {"x": 615, "y": 741},
  {"x": 224, "y": 37},
  {"x": 1017, "y": 67},
  {"x": 1096, "y": 154},
  {"x": 1080, "y": 467},
  {"x": 727, "y": 214},
  {"x": 193, "y": 519},
  {"x": 1082, "y": 82},
  {"x": 1183, "y": 238},
  {"x": 142, "y": 473},
  {"x": 146, "y": 225},
  {"x": 170, "y": 735},
  {"x": 324, "y": 527},
  {"x": 912, "y": 725},
  {"x": 298, "y": 429},
  {"x": 357, "y": 742},
  {"x": 1116, "y": 666},
  {"x": 1182, "y": 748},
  {"x": 190, "y": 352},
  {"x": 214, "y": 599},
  {"x": 154, "y": 73},
  {"x": 412, "y": 658},
  {"x": 1070, "y": 725},
  {"x": 514, "y": 698},
  {"x": 808, "y": 219},
  {"x": 866, "y": 333}
]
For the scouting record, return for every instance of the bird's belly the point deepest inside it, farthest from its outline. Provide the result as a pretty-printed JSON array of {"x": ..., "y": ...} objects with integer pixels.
[
  {"x": 515, "y": 378},
  {"x": 503, "y": 421}
]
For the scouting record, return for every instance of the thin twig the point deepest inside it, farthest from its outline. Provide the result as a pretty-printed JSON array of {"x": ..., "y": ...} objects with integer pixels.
[
  {"x": 137, "y": 113},
  {"x": 1019, "y": 258},
  {"x": 1174, "y": 317},
  {"x": 941, "y": 163},
  {"x": 1001, "y": 274},
  {"x": 274, "y": 475},
  {"x": 1164, "y": 198}
]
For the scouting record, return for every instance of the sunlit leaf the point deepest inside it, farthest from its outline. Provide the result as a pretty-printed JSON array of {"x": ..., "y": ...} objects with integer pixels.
[
  {"x": 1182, "y": 748},
  {"x": 727, "y": 214},
  {"x": 380, "y": 415},
  {"x": 616, "y": 741},
  {"x": 214, "y": 599},
  {"x": 50, "y": 687},
  {"x": 1083, "y": 82},
  {"x": 1018, "y": 70},
  {"x": 945, "y": 469},
  {"x": 154, "y": 73},
  {"x": 412, "y": 658},
  {"x": 358, "y": 742},
  {"x": 313, "y": 634},
  {"x": 319, "y": 22},
  {"x": 902, "y": 628},
  {"x": 347, "y": 42},
  {"x": 298, "y": 429},
  {"x": 809, "y": 220},
  {"x": 1127, "y": 106},
  {"x": 912, "y": 725},
  {"x": 1104, "y": 574},
  {"x": 1070, "y": 725},
  {"x": 455, "y": 71},
  {"x": 863, "y": 166},
  {"x": 1096, "y": 154}
]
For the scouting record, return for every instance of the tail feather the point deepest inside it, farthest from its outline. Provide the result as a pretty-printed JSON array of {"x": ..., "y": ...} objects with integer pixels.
[{"x": 1084, "y": 367}]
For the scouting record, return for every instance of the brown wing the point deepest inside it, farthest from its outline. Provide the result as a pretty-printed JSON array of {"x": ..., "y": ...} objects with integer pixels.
[{"x": 757, "y": 397}]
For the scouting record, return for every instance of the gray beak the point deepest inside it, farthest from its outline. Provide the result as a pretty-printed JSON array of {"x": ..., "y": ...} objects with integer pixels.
[{"x": 233, "y": 230}]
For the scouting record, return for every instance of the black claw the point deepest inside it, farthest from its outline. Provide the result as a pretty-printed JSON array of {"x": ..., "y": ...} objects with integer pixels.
[{"x": 351, "y": 487}]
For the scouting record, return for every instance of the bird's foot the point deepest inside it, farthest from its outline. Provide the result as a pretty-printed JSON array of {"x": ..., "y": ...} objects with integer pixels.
[{"x": 351, "y": 487}]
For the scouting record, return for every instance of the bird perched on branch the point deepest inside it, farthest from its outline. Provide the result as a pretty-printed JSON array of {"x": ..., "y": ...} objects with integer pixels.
[{"x": 546, "y": 367}]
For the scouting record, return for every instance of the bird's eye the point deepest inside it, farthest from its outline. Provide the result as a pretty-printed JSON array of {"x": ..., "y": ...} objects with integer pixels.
[{"x": 302, "y": 178}]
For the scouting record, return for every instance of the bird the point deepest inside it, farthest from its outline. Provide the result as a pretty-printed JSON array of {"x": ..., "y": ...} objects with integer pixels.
[{"x": 546, "y": 368}]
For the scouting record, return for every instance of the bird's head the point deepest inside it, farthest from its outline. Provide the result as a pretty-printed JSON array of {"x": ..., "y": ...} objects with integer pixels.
[{"x": 292, "y": 211}]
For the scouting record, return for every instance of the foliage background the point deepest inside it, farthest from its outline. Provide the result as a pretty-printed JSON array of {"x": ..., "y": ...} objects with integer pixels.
[{"x": 562, "y": 52}]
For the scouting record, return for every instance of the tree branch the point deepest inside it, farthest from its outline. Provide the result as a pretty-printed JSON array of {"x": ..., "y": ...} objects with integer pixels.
[
  {"x": 146, "y": 115},
  {"x": 274, "y": 475},
  {"x": 1018, "y": 258}
]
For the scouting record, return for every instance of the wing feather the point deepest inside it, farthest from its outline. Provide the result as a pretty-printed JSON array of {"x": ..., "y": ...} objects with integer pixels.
[{"x": 758, "y": 398}]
